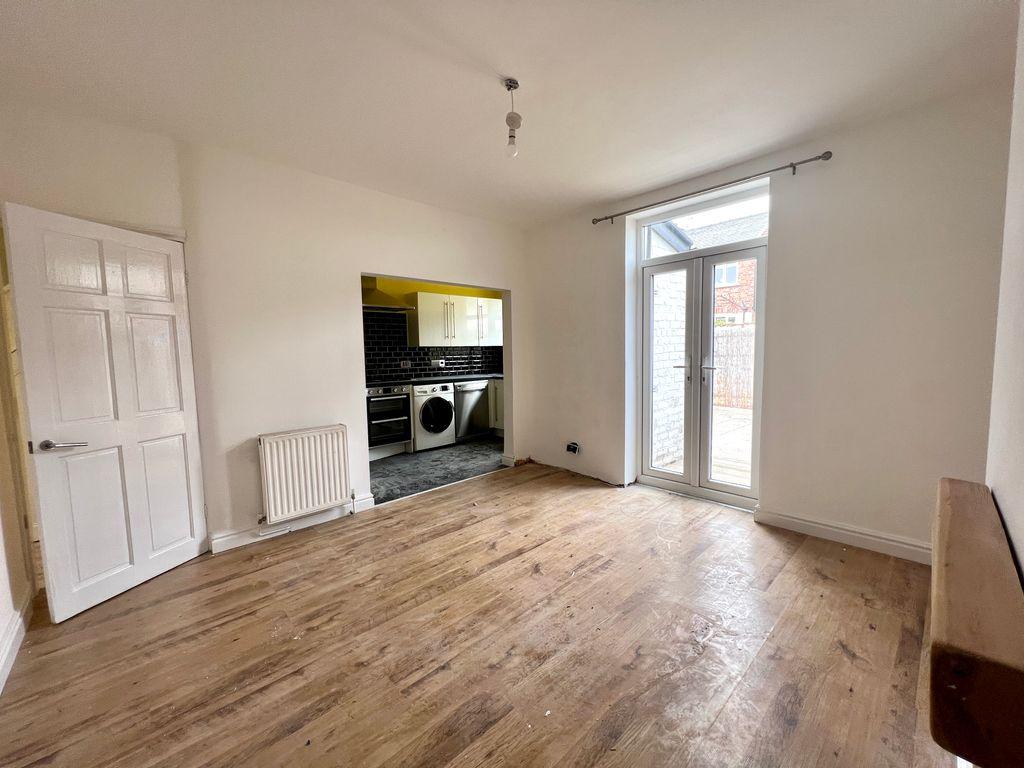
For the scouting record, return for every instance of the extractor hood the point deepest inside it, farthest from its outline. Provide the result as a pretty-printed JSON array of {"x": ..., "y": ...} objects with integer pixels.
[{"x": 376, "y": 300}]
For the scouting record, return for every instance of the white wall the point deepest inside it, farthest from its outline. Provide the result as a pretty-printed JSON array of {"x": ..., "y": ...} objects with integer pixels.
[
  {"x": 881, "y": 288},
  {"x": 274, "y": 257},
  {"x": 1005, "y": 474},
  {"x": 87, "y": 168},
  {"x": 880, "y": 316}
]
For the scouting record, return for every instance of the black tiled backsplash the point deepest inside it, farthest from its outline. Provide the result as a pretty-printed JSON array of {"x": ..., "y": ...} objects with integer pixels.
[{"x": 386, "y": 344}]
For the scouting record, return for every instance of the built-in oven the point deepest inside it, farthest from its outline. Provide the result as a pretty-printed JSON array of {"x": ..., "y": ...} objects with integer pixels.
[{"x": 388, "y": 414}]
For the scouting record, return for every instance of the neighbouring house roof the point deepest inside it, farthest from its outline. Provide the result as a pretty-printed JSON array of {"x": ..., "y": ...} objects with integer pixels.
[
  {"x": 732, "y": 231},
  {"x": 673, "y": 236}
]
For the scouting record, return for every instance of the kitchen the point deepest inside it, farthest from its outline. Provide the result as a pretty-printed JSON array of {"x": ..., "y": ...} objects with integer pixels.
[{"x": 435, "y": 383}]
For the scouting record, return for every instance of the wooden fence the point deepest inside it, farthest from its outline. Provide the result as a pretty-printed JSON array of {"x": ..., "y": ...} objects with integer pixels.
[{"x": 734, "y": 361}]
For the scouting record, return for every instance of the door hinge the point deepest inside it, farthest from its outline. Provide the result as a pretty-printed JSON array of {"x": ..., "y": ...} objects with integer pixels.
[{"x": 30, "y": 447}]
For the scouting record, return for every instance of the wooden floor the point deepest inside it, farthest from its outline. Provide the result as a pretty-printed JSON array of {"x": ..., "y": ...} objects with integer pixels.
[{"x": 528, "y": 617}]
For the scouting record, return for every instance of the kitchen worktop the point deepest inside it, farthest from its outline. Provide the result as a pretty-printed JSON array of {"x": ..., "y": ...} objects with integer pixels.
[{"x": 437, "y": 379}]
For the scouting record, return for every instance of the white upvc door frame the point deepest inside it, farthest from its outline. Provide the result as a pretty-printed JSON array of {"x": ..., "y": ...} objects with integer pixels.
[
  {"x": 692, "y": 369},
  {"x": 707, "y": 370},
  {"x": 696, "y": 484}
]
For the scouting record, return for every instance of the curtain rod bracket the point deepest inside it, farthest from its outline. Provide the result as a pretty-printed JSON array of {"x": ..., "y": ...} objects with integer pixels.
[{"x": 824, "y": 156}]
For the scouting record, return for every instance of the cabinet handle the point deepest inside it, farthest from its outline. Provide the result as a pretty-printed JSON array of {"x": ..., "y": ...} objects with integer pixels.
[{"x": 446, "y": 319}]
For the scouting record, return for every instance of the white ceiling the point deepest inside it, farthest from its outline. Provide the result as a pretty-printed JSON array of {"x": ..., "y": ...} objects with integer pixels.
[{"x": 405, "y": 96}]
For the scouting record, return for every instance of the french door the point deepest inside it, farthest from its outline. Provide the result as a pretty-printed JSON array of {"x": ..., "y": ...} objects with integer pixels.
[{"x": 702, "y": 336}]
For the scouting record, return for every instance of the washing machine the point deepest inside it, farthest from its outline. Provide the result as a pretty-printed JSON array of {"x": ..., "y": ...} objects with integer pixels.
[{"x": 434, "y": 415}]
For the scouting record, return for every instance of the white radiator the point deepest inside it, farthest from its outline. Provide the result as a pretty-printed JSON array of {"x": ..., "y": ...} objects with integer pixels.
[{"x": 304, "y": 471}]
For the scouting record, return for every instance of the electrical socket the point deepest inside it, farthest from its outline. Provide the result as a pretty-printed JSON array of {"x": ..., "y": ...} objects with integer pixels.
[
  {"x": 404, "y": 364},
  {"x": 437, "y": 363}
]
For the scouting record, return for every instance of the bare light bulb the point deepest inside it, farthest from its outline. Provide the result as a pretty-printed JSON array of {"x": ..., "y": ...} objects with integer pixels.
[{"x": 513, "y": 120}]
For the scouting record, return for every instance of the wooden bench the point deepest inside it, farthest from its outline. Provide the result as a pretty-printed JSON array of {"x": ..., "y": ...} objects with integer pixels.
[{"x": 977, "y": 630}]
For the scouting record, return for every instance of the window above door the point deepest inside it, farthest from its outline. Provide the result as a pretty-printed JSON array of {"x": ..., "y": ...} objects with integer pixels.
[{"x": 716, "y": 219}]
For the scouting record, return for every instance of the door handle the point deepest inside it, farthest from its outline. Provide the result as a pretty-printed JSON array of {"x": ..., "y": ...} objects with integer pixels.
[
  {"x": 49, "y": 445},
  {"x": 686, "y": 368}
]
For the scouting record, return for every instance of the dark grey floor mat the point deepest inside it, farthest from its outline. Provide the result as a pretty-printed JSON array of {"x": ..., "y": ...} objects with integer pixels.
[{"x": 409, "y": 473}]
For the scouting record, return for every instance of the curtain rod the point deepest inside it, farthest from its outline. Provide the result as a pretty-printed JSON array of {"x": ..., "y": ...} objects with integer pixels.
[{"x": 826, "y": 155}]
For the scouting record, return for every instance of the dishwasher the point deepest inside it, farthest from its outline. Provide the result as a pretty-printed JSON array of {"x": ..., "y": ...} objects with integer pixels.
[{"x": 472, "y": 408}]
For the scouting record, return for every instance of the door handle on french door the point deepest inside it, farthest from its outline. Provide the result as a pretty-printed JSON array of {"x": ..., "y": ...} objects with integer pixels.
[{"x": 49, "y": 445}]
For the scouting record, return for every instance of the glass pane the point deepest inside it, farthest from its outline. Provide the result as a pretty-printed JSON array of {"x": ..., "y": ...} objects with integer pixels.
[
  {"x": 732, "y": 382},
  {"x": 720, "y": 225},
  {"x": 668, "y": 383}
]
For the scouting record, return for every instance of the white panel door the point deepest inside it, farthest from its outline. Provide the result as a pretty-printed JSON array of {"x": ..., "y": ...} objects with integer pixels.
[
  {"x": 465, "y": 321},
  {"x": 491, "y": 331},
  {"x": 102, "y": 318}
]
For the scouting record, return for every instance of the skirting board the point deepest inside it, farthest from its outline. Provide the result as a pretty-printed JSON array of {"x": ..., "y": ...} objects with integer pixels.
[
  {"x": 13, "y": 634},
  {"x": 222, "y": 542},
  {"x": 887, "y": 544},
  {"x": 508, "y": 461}
]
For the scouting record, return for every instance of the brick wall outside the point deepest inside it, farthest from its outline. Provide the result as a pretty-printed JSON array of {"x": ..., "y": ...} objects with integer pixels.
[
  {"x": 739, "y": 298},
  {"x": 668, "y": 348}
]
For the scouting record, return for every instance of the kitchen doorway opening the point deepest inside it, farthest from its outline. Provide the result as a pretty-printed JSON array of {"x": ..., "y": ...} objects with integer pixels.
[
  {"x": 437, "y": 395},
  {"x": 702, "y": 297}
]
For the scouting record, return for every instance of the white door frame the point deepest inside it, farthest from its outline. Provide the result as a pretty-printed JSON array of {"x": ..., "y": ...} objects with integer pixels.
[
  {"x": 692, "y": 369},
  {"x": 707, "y": 375},
  {"x": 718, "y": 492}
]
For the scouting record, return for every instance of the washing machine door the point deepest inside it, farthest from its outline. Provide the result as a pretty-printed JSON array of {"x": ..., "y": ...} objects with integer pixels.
[{"x": 436, "y": 415}]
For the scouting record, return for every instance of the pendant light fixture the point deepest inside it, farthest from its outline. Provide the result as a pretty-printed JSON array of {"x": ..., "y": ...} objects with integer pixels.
[{"x": 513, "y": 119}]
